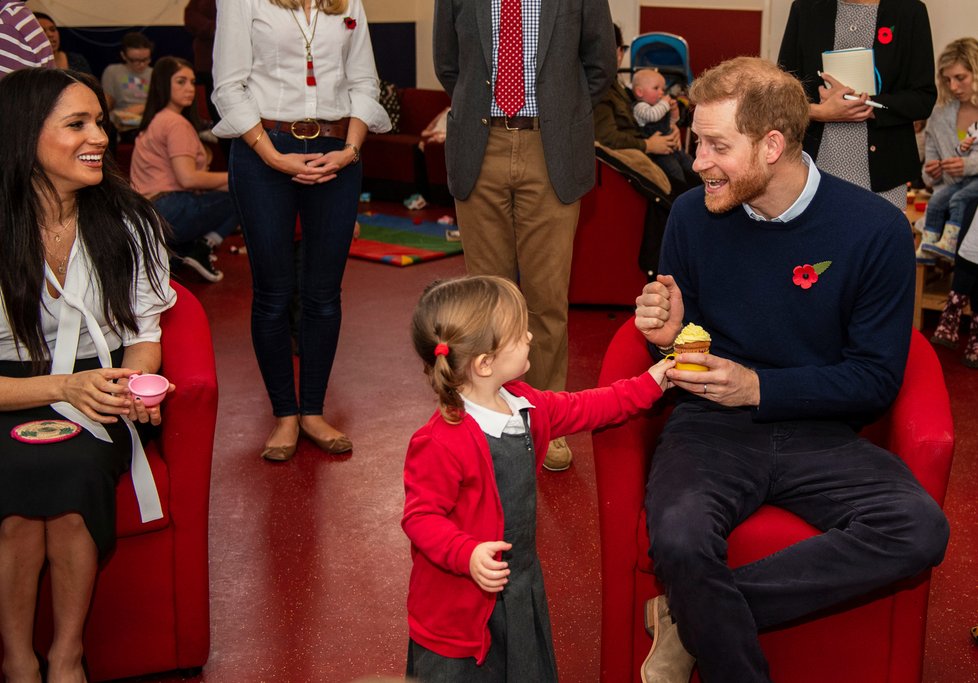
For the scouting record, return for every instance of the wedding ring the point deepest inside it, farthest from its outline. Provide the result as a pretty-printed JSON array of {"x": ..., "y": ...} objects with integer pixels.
[{"x": 704, "y": 388}]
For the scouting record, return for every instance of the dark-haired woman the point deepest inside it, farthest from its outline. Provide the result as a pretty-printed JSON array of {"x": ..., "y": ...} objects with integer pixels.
[
  {"x": 169, "y": 167},
  {"x": 83, "y": 278},
  {"x": 63, "y": 60},
  {"x": 297, "y": 89}
]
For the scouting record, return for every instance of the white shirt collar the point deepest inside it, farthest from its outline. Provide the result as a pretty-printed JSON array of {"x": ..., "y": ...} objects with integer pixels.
[
  {"x": 800, "y": 204},
  {"x": 495, "y": 424}
]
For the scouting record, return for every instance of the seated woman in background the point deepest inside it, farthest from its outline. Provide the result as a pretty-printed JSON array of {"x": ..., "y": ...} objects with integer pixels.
[
  {"x": 83, "y": 281},
  {"x": 62, "y": 59},
  {"x": 169, "y": 167}
]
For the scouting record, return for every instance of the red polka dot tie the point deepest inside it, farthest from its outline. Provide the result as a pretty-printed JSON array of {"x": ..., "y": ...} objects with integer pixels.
[{"x": 510, "y": 94}]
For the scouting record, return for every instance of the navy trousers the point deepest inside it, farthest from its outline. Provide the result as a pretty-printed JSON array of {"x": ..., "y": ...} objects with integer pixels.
[
  {"x": 268, "y": 203},
  {"x": 715, "y": 466}
]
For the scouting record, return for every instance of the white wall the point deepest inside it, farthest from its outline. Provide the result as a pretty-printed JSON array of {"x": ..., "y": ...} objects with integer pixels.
[{"x": 950, "y": 19}]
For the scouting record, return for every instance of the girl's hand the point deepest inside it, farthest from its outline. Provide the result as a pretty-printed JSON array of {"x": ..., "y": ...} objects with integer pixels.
[
  {"x": 933, "y": 169},
  {"x": 95, "y": 394},
  {"x": 953, "y": 166},
  {"x": 966, "y": 145},
  {"x": 658, "y": 372},
  {"x": 139, "y": 412},
  {"x": 489, "y": 573}
]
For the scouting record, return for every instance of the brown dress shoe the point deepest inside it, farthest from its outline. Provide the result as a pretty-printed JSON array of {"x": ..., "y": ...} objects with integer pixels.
[
  {"x": 668, "y": 661},
  {"x": 559, "y": 456},
  {"x": 336, "y": 445}
]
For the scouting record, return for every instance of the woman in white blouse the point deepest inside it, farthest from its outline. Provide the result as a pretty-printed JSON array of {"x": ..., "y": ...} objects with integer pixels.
[
  {"x": 83, "y": 281},
  {"x": 296, "y": 86}
]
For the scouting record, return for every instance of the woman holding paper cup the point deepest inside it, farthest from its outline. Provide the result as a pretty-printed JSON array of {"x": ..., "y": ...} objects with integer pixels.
[
  {"x": 871, "y": 146},
  {"x": 83, "y": 279}
]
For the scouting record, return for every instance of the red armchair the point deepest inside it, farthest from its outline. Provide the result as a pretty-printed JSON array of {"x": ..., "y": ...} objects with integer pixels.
[
  {"x": 150, "y": 610},
  {"x": 604, "y": 269},
  {"x": 877, "y": 638}
]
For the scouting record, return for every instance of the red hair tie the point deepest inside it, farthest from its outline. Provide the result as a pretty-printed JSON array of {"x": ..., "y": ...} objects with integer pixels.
[{"x": 441, "y": 349}]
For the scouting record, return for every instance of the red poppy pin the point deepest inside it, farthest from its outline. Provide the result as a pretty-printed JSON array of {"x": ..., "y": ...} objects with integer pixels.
[
  {"x": 351, "y": 23},
  {"x": 885, "y": 35},
  {"x": 807, "y": 275}
]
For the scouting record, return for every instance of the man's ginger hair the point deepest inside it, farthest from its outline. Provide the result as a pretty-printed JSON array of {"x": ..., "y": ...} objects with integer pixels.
[{"x": 767, "y": 99}]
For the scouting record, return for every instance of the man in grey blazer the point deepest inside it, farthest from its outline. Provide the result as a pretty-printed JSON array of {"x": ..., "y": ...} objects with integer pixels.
[{"x": 517, "y": 179}]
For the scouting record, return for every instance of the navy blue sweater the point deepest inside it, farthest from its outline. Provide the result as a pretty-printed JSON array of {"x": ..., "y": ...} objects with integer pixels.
[{"x": 834, "y": 351}]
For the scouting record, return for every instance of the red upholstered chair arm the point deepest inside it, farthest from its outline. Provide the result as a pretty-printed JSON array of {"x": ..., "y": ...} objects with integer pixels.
[
  {"x": 918, "y": 426},
  {"x": 419, "y": 106},
  {"x": 187, "y": 445},
  {"x": 621, "y": 462}
]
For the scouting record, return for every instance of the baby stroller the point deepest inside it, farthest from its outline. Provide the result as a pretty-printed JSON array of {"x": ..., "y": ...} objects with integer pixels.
[{"x": 669, "y": 54}]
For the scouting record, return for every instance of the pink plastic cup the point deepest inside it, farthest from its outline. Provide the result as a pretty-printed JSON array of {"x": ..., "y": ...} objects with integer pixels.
[{"x": 150, "y": 389}]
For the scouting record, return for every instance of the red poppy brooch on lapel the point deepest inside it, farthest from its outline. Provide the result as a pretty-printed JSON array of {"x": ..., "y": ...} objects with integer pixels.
[
  {"x": 807, "y": 275},
  {"x": 885, "y": 35},
  {"x": 350, "y": 22}
]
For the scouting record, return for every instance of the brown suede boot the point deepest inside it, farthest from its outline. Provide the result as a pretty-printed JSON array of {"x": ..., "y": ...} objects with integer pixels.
[
  {"x": 949, "y": 326},
  {"x": 668, "y": 661}
]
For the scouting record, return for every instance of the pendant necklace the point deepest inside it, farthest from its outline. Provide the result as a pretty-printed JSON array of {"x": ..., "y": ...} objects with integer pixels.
[
  {"x": 62, "y": 266},
  {"x": 310, "y": 73}
]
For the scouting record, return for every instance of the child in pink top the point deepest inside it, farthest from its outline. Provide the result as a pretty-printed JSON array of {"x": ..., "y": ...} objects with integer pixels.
[
  {"x": 169, "y": 167},
  {"x": 477, "y": 609}
]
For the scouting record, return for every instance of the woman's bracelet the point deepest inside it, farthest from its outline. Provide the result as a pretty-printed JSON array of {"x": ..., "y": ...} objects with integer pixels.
[
  {"x": 260, "y": 136},
  {"x": 356, "y": 151}
]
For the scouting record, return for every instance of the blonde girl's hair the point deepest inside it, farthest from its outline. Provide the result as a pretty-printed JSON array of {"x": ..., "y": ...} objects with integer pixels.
[
  {"x": 324, "y": 6},
  {"x": 472, "y": 315},
  {"x": 963, "y": 51}
]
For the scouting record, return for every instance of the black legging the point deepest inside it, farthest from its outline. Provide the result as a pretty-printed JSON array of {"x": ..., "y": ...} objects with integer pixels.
[{"x": 965, "y": 277}]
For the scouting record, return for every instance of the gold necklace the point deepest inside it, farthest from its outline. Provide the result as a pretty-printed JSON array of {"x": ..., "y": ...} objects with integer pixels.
[
  {"x": 62, "y": 263},
  {"x": 310, "y": 72}
]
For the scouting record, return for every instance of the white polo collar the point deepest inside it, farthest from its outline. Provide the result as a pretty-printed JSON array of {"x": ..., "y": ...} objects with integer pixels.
[{"x": 494, "y": 423}]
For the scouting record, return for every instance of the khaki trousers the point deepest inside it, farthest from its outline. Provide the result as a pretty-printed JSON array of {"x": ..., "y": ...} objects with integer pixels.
[{"x": 514, "y": 226}]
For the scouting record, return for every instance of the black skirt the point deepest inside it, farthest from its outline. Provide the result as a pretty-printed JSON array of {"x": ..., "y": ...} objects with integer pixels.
[{"x": 51, "y": 479}]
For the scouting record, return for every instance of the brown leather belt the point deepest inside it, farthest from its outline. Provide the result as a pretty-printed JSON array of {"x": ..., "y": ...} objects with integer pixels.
[
  {"x": 516, "y": 122},
  {"x": 310, "y": 129}
]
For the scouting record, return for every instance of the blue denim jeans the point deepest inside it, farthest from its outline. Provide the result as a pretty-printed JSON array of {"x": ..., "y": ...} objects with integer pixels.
[
  {"x": 194, "y": 214},
  {"x": 715, "y": 466},
  {"x": 948, "y": 204},
  {"x": 269, "y": 203}
]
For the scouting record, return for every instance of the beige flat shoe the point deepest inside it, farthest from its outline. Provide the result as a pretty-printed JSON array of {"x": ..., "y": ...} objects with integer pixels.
[
  {"x": 278, "y": 453},
  {"x": 336, "y": 445}
]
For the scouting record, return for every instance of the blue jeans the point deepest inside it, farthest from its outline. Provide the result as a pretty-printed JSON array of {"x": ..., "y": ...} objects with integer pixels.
[
  {"x": 194, "y": 214},
  {"x": 715, "y": 466},
  {"x": 269, "y": 203},
  {"x": 948, "y": 204}
]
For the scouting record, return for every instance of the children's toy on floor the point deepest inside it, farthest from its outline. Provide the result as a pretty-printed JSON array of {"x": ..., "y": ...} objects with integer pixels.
[
  {"x": 364, "y": 197},
  {"x": 446, "y": 220},
  {"x": 415, "y": 202}
]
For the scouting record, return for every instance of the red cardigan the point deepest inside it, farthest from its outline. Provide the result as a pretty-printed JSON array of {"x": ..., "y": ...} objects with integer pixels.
[{"x": 452, "y": 504}]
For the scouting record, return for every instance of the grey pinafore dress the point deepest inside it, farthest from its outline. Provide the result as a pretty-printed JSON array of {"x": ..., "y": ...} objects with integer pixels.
[{"x": 522, "y": 644}]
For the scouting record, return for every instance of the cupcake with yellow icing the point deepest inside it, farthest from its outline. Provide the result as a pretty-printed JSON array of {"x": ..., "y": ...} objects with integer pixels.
[{"x": 692, "y": 339}]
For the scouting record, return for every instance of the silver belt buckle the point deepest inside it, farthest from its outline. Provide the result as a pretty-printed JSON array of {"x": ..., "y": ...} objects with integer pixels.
[{"x": 506, "y": 122}]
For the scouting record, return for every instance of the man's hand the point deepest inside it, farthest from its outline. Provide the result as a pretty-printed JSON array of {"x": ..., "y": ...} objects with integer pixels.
[
  {"x": 659, "y": 311},
  {"x": 725, "y": 382},
  {"x": 486, "y": 571}
]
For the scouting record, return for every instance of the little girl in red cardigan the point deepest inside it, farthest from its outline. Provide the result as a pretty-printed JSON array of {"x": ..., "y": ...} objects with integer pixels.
[{"x": 477, "y": 610}]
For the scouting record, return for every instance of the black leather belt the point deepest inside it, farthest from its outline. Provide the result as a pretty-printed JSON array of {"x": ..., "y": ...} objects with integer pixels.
[
  {"x": 516, "y": 122},
  {"x": 310, "y": 129}
]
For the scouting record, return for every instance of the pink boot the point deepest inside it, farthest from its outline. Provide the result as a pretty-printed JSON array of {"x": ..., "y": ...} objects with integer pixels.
[
  {"x": 947, "y": 330},
  {"x": 971, "y": 348}
]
